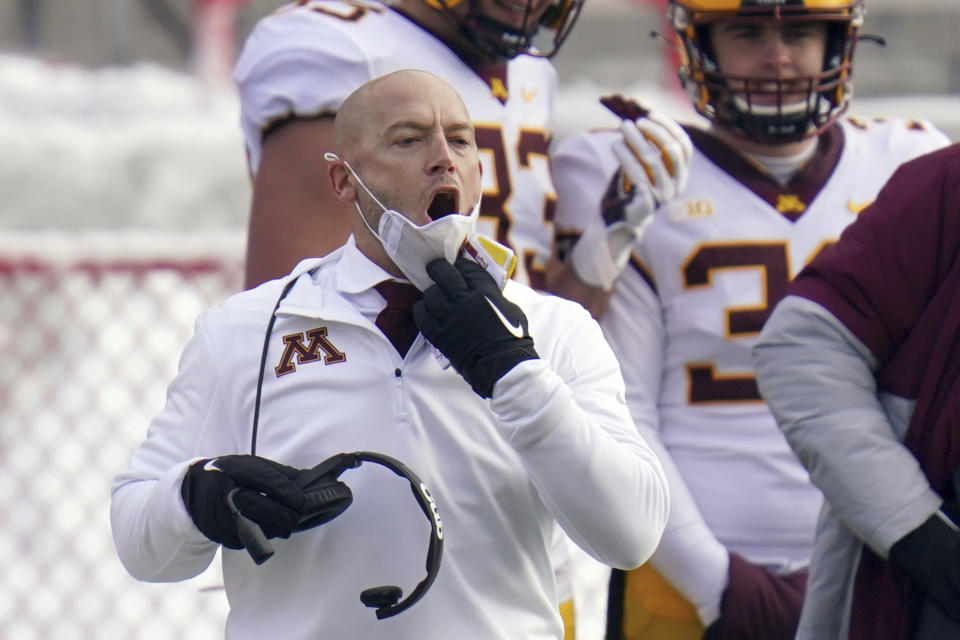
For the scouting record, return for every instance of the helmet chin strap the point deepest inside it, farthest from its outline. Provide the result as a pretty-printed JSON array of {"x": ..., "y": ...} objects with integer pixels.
[{"x": 487, "y": 36}]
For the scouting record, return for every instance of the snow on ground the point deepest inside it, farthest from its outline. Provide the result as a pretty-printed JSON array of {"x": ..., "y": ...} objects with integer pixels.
[{"x": 117, "y": 147}]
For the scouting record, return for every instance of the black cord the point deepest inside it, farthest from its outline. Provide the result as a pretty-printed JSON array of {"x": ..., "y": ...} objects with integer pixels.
[{"x": 263, "y": 366}]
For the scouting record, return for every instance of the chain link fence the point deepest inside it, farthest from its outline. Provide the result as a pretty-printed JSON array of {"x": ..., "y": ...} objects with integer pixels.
[{"x": 91, "y": 328}]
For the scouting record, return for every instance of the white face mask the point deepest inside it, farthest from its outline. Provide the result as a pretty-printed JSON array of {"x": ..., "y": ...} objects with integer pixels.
[{"x": 411, "y": 246}]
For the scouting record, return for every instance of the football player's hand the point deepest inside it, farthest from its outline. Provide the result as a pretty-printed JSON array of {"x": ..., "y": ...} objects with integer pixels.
[
  {"x": 654, "y": 154},
  {"x": 758, "y": 604},
  {"x": 267, "y": 495},
  {"x": 468, "y": 319}
]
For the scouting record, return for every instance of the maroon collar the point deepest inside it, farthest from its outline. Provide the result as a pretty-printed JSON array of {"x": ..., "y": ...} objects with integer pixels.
[
  {"x": 495, "y": 75},
  {"x": 791, "y": 199}
]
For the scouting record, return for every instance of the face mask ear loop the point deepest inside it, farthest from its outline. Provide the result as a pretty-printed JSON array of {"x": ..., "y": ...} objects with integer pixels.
[{"x": 329, "y": 156}]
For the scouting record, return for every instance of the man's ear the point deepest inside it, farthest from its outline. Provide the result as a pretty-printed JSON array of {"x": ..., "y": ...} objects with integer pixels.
[{"x": 339, "y": 177}]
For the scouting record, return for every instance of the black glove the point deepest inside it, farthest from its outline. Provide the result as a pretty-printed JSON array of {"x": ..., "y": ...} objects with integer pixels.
[
  {"x": 466, "y": 317},
  {"x": 930, "y": 554},
  {"x": 758, "y": 604},
  {"x": 267, "y": 495}
]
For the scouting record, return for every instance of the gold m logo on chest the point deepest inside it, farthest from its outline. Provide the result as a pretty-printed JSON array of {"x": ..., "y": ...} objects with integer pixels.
[
  {"x": 790, "y": 203},
  {"x": 306, "y": 347}
]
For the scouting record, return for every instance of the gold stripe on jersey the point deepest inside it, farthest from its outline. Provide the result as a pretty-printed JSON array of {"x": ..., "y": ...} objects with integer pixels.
[
  {"x": 498, "y": 90},
  {"x": 857, "y": 207},
  {"x": 568, "y": 615},
  {"x": 443, "y": 4},
  {"x": 654, "y": 610}
]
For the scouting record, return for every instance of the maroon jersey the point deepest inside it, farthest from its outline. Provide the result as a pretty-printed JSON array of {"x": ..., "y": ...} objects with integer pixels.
[{"x": 893, "y": 279}]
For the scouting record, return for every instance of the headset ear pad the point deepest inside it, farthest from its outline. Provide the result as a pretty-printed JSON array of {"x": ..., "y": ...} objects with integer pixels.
[
  {"x": 322, "y": 502},
  {"x": 324, "y": 497}
]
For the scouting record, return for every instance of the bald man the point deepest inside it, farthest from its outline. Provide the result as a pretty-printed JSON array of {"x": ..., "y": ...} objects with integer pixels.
[
  {"x": 422, "y": 161},
  {"x": 507, "y": 404},
  {"x": 300, "y": 62}
]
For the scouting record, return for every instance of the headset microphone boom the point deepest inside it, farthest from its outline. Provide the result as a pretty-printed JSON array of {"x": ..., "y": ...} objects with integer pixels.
[{"x": 325, "y": 498}]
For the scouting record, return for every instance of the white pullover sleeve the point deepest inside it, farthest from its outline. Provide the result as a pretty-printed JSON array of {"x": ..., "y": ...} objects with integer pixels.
[
  {"x": 569, "y": 421},
  {"x": 155, "y": 537}
]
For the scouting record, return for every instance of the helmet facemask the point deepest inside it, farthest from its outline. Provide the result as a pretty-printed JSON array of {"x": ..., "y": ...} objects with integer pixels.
[
  {"x": 497, "y": 40},
  {"x": 771, "y": 110}
]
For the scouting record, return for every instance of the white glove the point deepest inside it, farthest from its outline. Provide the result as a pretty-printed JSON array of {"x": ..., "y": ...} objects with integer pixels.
[{"x": 654, "y": 156}]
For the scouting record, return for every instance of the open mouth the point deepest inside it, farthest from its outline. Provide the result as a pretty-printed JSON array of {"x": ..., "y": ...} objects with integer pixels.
[{"x": 443, "y": 204}]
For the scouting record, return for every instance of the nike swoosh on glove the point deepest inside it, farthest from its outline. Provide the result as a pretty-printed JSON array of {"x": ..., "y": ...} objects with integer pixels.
[{"x": 468, "y": 319}]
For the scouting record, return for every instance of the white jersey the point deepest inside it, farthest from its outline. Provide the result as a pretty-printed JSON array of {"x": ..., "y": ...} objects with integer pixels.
[
  {"x": 555, "y": 444},
  {"x": 687, "y": 310},
  {"x": 306, "y": 58}
]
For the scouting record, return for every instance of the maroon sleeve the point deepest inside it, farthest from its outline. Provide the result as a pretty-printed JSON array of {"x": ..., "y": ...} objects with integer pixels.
[
  {"x": 758, "y": 604},
  {"x": 877, "y": 278}
]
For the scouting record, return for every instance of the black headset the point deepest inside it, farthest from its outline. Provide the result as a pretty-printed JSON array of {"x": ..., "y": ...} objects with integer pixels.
[{"x": 325, "y": 497}]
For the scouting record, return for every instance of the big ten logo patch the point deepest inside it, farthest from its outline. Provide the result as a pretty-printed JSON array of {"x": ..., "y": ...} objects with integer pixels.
[{"x": 690, "y": 209}]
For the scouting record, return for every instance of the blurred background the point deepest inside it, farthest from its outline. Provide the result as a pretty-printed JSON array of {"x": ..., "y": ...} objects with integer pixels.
[{"x": 123, "y": 204}]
